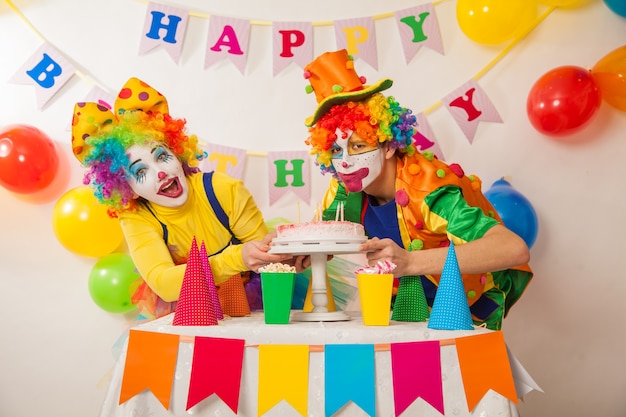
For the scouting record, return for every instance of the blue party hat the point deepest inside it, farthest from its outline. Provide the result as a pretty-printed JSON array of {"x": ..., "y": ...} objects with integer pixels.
[{"x": 450, "y": 309}]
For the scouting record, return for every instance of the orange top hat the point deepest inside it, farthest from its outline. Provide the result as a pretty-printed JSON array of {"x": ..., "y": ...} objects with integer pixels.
[{"x": 334, "y": 80}]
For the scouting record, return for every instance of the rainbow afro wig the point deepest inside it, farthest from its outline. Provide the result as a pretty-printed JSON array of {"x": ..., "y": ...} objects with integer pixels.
[
  {"x": 376, "y": 119},
  {"x": 107, "y": 162}
]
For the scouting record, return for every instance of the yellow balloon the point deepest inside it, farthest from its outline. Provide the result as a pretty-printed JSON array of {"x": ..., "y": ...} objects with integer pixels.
[
  {"x": 609, "y": 73},
  {"x": 83, "y": 226},
  {"x": 492, "y": 22}
]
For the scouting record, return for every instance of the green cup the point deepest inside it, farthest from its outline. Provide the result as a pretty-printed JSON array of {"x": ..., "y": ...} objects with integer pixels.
[{"x": 277, "y": 290}]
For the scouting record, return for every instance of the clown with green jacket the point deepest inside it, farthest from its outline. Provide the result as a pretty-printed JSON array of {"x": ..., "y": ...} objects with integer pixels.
[{"x": 410, "y": 203}]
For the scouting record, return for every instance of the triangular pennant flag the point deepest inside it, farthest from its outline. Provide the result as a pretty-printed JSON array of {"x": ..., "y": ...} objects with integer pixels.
[
  {"x": 418, "y": 26},
  {"x": 469, "y": 105},
  {"x": 289, "y": 170},
  {"x": 425, "y": 137},
  {"x": 216, "y": 368},
  {"x": 358, "y": 37},
  {"x": 524, "y": 383},
  {"x": 292, "y": 42},
  {"x": 416, "y": 371},
  {"x": 164, "y": 25},
  {"x": 349, "y": 376},
  {"x": 48, "y": 70},
  {"x": 227, "y": 39},
  {"x": 283, "y": 375},
  {"x": 410, "y": 303},
  {"x": 450, "y": 309},
  {"x": 150, "y": 364},
  {"x": 221, "y": 158},
  {"x": 208, "y": 273},
  {"x": 194, "y": 303},
  {"x": 485, "y": 365}
]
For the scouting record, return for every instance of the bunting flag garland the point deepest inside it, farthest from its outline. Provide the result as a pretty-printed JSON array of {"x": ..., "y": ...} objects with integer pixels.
[
  {"x": 161, "y": 18},
  {"x": 469, "y": 105},
  {"x": 485, "y": 365},
  {"x": 214, "y": 356},
  {"x": 150, "y": 364},
  {"x": 283, "y": 375},
  {"x": 349, "y": 376},
  {"x": 287, "y": 171},
  {"x": 46, "y": 69},
  {"x": 228, "y": 39},
  {"x": 291, "y": 42},
  {"x": 425, "y": 137},
  {"x": 226, "y": 159},
  {"x": 419, "y": 27},
  {"x": 358, "y": 37},
  {"x": 349, "y": 371},
  {"x": 416, "y": 371}
]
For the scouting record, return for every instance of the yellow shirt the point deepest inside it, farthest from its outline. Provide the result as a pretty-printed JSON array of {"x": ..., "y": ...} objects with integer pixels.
[{"x": 163, "y": 266}]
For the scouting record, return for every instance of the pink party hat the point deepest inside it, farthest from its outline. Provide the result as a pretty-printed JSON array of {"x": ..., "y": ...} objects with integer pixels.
[
  {"x": 194, "y": 304},
  {"x": 208, "y": 272},
  {"x": 450, "y": 309}
]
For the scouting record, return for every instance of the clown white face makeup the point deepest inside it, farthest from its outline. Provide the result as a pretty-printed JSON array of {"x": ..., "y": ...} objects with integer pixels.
[
  {"x": 157, "y": 175},
  {"x": 357, "y": 163}
]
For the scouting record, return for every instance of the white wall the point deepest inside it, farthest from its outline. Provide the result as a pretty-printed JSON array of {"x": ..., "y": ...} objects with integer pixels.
[{"x": 568, "y": 329}]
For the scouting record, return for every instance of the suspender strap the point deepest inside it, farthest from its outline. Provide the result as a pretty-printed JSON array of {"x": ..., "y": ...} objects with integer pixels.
[{"x": 207, "y": 179}]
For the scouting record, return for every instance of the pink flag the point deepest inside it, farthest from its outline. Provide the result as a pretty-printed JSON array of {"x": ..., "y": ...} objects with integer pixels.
[
  {"x": 289, "y": 170},
  {"x": 292, "y": 42},
  {"x": 166, "y": 26},
  {"x": 227, "y": 39},
  {"x": 425, "y": 137},
  {"x": 469, "y": 105},
  {"x": 216, "y": 368},
  {"x": 226, "y": 159},
  {"x": 358, "y": 37},
  {"x": 208, "y": 272},
  {"x": 416, "y": 370},
  {"x": 419, "y": 27},
  {"x": 47, "y": 70}
]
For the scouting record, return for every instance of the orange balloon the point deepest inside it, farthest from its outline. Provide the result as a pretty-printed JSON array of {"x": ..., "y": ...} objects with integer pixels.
[
  {"x": 83, "y": 226},
  {"x": 610, "y": 76}
]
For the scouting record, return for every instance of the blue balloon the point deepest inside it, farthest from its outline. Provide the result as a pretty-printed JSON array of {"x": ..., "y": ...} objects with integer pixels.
[
  {"x": 617, "y": 6},
  {"x": 517, "y": 214}
]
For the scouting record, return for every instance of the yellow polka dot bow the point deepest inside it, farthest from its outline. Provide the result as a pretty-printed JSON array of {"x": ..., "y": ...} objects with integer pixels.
[{"x": 91, "y": 119}]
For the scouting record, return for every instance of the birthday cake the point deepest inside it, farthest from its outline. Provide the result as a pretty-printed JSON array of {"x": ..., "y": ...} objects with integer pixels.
[{"x": 321, "y": 229}]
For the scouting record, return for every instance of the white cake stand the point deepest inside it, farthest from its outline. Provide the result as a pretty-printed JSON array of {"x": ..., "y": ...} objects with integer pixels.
[{"x": 318, "y": 248}]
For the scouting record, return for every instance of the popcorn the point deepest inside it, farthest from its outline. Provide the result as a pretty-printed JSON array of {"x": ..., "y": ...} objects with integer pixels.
[
  {"x": 381, "y": 267},
  {"x": 277, "y": 267}
]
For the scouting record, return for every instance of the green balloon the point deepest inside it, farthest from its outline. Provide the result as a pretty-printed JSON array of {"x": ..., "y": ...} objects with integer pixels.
[{"x": 112, "y": 281}]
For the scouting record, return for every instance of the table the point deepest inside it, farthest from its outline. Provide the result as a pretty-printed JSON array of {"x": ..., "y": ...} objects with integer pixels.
[{"x": 256, "y": 332}]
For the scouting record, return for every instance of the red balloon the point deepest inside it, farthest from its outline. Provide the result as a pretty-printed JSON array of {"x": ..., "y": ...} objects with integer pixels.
[
  {"x": 28, "y": 159},
  {"x": 563, "y": 100}
]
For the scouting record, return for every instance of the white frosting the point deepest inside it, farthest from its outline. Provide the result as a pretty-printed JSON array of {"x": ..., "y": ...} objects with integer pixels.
[{"x": 324, "y": 228}]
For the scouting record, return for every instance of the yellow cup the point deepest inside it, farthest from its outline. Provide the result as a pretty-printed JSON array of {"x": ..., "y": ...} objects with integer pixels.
[{"x": 375, "y": 296}]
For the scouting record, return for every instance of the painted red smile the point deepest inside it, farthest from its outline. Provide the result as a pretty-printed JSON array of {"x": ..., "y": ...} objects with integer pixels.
[{"x": 354, "y": 180}]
